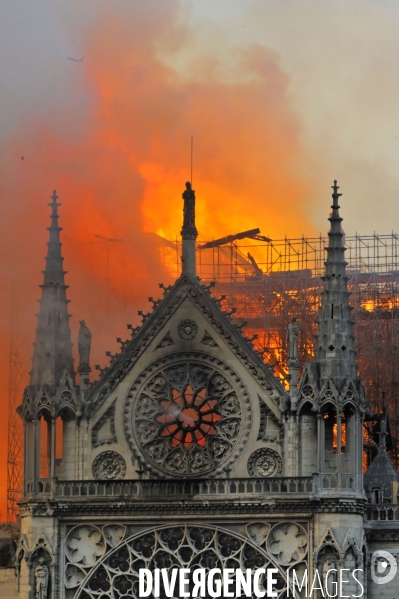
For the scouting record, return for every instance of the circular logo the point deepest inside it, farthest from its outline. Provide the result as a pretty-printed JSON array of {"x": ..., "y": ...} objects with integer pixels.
[{"x": 383, "y": 567}]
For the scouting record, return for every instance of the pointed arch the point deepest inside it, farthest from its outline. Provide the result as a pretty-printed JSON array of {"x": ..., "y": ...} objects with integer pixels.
[{"x": 328, "y": 541}]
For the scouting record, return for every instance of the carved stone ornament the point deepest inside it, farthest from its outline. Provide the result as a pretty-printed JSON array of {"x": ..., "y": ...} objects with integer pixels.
[
  {"x": 111, "y": 377},
  {"x": 187, "y": 415},
  {"x": 109, "y": 465},
  {"x": 258, "y": 532},
  {"x": 264, "y": 433},
  {"x": 165, "y": 341},
  {"x": 307, "y": 392},
  {"x": 292, "y": 340},
  {"x": 41, "y": 579},
  {"x": 328, "y": 395},
  {"x": 192, "y": 547},
  {"x": 84, "y": 344},
  {"x": 99, "y": 436},
  {"x": 207, "y": 339},
  {"x": 264, "y": 462},
  {"x": 85, "y": 545},
  {"x": 187, "y": 329},
  {"x": 288, "y": 543}
]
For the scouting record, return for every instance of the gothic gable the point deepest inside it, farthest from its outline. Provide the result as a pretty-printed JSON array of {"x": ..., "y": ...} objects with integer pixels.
[
  {"x": 65, "y": 397},
  {"x": 36, "y": 401},
  {"x": 328, "y": 542},
  {"x": 154, "y": 327},
  {"x": 307, "y": 388},
  {"x": 189, "y": 392},
  {"x": 329, "y": 393}
]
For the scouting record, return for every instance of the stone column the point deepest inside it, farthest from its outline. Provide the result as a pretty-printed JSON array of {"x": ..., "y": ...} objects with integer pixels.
[
  {"x": 321, "y": 441},
  {"x": 339, "y": 444},
  {"x": 36, "y": 454},
  {"x": 84, "y": 371},
  {"x": 188, "y": 257},
  {"x": 27, "y": 471},
  {"x": 52, "y": 448}
]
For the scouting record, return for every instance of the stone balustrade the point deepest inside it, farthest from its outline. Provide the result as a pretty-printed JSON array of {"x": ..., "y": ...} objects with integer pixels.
[
  {"x": 340, "y": 482},
  {"x": 44, "y": 486},
  {"x": 382, "y": 513},
  {"x": 152, "y": 489},
  {"x": 198, "y": 488}
]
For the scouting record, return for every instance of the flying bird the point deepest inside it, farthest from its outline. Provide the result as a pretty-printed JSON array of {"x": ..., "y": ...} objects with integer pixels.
[{"x": 75, "y": 59}]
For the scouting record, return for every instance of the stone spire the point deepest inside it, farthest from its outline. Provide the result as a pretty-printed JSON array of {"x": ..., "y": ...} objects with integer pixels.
[
  {"x": 52, "y": 347},
  {"x": 189, "y": 232},
  {"x": 334, "y": 349}
]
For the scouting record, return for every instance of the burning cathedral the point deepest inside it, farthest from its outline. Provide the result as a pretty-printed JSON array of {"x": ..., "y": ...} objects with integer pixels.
[{"x": 189, "y": 453}]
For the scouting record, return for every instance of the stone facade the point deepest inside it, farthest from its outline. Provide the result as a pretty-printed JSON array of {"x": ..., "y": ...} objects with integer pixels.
[{"x": 188, "y": 452}]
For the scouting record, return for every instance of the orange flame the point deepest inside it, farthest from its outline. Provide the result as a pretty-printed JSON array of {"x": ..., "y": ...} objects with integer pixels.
[{"x": 119, "y": 155}]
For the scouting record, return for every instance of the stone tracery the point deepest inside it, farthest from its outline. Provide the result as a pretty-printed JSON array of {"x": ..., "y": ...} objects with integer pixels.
[
  {"x": 264, "y": 462},
  {"x": 109, "y": 465},
  {"x": 188, "y": 416},
  {"x": 182, "y": 546}
]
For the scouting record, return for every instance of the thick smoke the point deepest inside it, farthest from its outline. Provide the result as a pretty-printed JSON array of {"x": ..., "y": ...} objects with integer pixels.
[{"x": 111, "y": 133}]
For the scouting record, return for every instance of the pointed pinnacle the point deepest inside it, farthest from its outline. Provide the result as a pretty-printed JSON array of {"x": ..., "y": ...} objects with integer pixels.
[
  {"x": 335, "y": 195},
  {"x": 54, "y": 204}
]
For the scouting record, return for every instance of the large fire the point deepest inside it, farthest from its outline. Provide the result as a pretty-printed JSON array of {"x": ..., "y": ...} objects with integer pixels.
[{"x": 118, "y": 153}]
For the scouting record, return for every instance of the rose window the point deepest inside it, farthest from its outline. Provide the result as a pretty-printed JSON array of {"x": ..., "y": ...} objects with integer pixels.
[{"x": 187, "y": 419}]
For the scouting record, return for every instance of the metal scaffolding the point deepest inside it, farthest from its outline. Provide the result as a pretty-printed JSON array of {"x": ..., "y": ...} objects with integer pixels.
[
  {"x": 17, "y": 382},
  {"x": 268, "y": 283}
]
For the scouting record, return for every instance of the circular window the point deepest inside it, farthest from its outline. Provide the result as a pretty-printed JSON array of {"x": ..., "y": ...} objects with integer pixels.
[{"x": 187, "y": 416}]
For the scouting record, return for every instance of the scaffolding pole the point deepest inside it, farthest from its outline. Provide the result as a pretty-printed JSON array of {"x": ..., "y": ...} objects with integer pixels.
[{"x": 17, "y": 383}]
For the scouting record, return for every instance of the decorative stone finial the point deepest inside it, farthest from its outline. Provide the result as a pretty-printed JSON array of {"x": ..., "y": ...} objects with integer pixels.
[
  {"x": 335, "y": 195},
  {"x": 382, "y": 434},
  {"x": 54, "y": 208}
]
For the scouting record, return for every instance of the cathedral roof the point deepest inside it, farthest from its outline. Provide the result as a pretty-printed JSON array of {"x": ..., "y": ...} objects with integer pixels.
[
  {"x": 381, "y": 473},
  {"x": 52, "y": 353}
]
